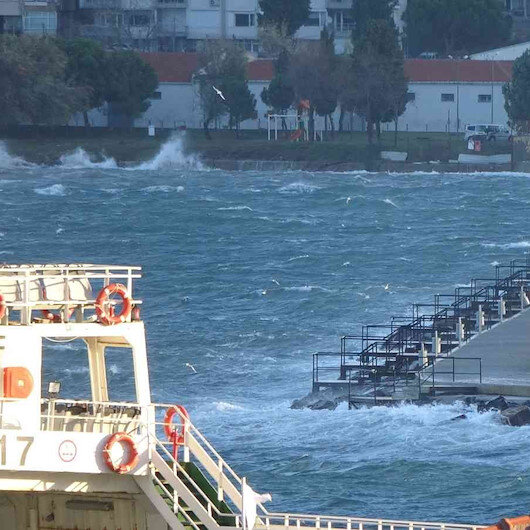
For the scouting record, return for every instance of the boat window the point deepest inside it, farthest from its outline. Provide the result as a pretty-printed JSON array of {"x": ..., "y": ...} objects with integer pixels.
[
  {"x": 66, "y": 362},
  {"x": 120, "y": 374}
]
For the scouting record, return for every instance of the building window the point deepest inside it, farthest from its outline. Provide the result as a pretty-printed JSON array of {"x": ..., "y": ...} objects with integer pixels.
[
  {"x": 139, "y": 19},
  {"x": 245, "y": 20},
  {"x": 40, "y": 22},
  {"x": 448, "y": 97},
  {"x": 156, "y": 95},
  {"x": 411, "y": 96},
  {"x": 314, "y": 19},
  {"x": 484, "y": 98}
]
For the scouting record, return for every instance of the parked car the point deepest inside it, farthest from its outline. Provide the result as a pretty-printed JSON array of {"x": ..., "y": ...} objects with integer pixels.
[
  {"x": 499, "y": 132},
  {"x": 490, "y": 132},
  {"x": 476, "y": 131}
]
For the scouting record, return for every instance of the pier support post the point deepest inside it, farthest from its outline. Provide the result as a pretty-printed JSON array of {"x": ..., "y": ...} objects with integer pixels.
[
  {"x": 502, "y": 308},
  {"x": 460, "y": 331},
  {"x": 422, "y": 356},
  {"x": 524, "y": 298},
  {"x": 437, "y": 344},
  {"x": 480, "y": 319}
]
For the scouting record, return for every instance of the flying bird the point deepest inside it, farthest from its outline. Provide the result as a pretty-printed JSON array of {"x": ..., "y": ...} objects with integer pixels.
[
  {"x": 191, "y": 367},
  {"x": 219, "y": 93},
  {"x": 386, "y": 287}
]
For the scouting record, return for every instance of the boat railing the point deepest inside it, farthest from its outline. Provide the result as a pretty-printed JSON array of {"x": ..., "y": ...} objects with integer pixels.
[
  {"x": 29, "y": 292},
  {"x": 174, "y": 480},
  {"x": 103, "y": 417}
]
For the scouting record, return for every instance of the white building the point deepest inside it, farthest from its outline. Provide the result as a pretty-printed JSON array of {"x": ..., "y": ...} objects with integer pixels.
[
  {"x": 506, "y": 53},
  {"x": 444, "y": 95}
]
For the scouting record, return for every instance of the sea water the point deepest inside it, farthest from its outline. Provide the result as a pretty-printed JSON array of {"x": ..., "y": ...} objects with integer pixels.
[{"x": 247, "y": 274}]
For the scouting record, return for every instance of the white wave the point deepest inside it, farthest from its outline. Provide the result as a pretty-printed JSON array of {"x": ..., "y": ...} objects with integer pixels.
[
  {"x": 223, "y": 406},
  {"x": 8, "y": 161},
  {"x": 388, "y": 201},
  {"x": 346, "y": 264},
  {"x": 229, "y": 208},
  {"x": 159, "y": 189},
  {"x": 7, "y": 252},
  {"x": 518, "y": 244},
  {"x": 80, "y": 159},
  {"x": 307, "y": 288},
  {"x": 494, "y": 263},
  {"x": 172, "y": 156},
  {"x": 57, "y": 190},
  {"x": 299, "y": 187},
  {"x": 303, "y": 256}
]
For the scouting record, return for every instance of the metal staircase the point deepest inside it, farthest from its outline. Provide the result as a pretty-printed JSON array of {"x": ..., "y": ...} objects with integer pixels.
[
  {"x": 202, "y": 492},
  {"x": 391, "y": 355}
]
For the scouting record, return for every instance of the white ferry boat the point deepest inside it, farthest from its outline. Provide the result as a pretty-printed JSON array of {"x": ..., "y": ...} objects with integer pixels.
[{"x": 96, "y": 464}]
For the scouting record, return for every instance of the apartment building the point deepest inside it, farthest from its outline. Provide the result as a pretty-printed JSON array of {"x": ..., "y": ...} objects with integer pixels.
[
  {"x": 28, "y": 16},
  {"x": 179, "y": 25}
]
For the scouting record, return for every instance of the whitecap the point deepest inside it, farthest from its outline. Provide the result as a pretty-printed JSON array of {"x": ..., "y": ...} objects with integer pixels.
[
  {"x": 298, "y": 187},
  {"x": 223, "y": 406},
  {"x": 518, "y": 244},
  {"x": 303, "y": 256},
  {"x": 8, "y": 161},
  {"x": 171, "y": 156},
  {"x": 236, "y": 208},
  {"x": 158, "y": 189},
  {"x": 388, "y": 201},
  {"x": 57, "y": 190},
  {"x": 80, "y": 159}
]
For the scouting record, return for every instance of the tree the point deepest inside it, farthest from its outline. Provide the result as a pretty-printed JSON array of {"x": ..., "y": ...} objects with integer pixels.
[
  {"x": 378, "y": 87},
  {"x": 517, "y": 93},
  {"x": 290, "y": 14},
  {"x": 326, "y": 70},
  {"x": 130, "y": 82},
  {"x": 87, "y": 68},
  {"x": 224, "y": 68},
  {"x": 240, "y": 101},
  {"x": 32, "y": 82},
  {"x": 279, "y": 95},
  {"x": 313, "y": 76},
  {"x": 364, "y": 11},
  {"x": 455, "y": 27}
]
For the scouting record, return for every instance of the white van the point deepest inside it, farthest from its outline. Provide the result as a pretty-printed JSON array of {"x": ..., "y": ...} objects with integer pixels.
[{"x": 488, "y": 132}]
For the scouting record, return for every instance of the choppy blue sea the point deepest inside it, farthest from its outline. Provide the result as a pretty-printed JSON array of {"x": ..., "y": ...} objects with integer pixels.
[{"x": 246, "y": 274}]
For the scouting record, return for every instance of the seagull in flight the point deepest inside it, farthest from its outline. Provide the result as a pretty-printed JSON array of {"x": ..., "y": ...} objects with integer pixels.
[
  {"x": 191, "y": 367},
  {"x": 387, "y": 287},
  {"x": 219, "y": 93}
]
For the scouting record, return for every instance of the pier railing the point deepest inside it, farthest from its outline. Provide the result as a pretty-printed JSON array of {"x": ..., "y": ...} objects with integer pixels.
[{"x": 435, "y": 329}]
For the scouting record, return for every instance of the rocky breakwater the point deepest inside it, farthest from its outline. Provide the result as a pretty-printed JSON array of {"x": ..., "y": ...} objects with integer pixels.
[{"x": 512, "y": 412}]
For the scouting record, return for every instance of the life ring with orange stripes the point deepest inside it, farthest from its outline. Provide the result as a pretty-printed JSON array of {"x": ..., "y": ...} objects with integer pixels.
[
  {"x": 105, "y": 312},
  {"x": 2, "y": 307},
  {"x": 132, "y": 460},
  {"x": 175, "y": 433}
]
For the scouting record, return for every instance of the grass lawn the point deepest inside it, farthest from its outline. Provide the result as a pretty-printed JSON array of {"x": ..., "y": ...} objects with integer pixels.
[{"x": 46, "y": 146}]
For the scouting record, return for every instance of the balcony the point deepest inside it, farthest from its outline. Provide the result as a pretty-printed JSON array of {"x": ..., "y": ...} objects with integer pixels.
[
  {"x": 173, "y": 4},
  {"x": 339, "y": 4}
]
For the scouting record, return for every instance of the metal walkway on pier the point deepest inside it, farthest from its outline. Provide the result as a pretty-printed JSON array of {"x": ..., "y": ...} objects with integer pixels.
[{"x": 433, "y": 352}]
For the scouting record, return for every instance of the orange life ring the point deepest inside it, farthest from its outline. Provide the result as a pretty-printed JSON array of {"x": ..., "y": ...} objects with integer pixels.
[
  {"x": 130, "y": 463},
  {"x": 175, "y": 434},
  {"x": 106, "y": 315},
  {"x": 2, "y": 307}
]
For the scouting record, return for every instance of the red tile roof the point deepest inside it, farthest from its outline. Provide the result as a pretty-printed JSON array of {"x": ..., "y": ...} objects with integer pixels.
[
  {"x": 180, "y": 67},
  {"x": 260, "y": 70},
  {"x": 446, "y": 70},
  {"x": 173, "y": 67}
]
